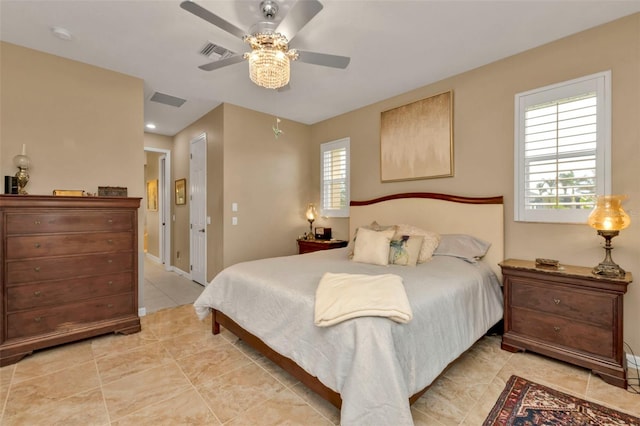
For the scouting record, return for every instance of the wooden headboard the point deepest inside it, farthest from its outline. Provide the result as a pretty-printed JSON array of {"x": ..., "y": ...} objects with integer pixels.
[{"x": 442, "y": 213}]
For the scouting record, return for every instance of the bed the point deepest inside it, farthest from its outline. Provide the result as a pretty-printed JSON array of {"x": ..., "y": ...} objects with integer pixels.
[{"x": 370, "y": 367}]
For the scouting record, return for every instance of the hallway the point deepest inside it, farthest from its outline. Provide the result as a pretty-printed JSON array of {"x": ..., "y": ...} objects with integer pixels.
[{"x": 164, "y": 289}]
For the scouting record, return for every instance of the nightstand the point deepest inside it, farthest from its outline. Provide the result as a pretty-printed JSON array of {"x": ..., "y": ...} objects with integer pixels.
[
  {"x": 307, "y": 246},
  {"x": 568, "y": 314}
]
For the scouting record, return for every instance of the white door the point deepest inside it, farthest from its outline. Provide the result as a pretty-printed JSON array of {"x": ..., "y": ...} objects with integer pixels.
[
  {"x": 198, "y": 209},
  {"x": 164, "y": 198}
]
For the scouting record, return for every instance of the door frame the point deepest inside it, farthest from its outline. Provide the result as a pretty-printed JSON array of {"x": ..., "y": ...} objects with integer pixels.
[{"x": 164, "y": 205}]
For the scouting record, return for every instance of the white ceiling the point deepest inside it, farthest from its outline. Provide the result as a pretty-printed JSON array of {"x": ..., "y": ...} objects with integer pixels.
[{"x": 395, "y": 46}]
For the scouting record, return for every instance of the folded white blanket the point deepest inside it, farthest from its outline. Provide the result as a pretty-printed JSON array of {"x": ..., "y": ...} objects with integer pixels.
[{"x": 341, "y": 296}]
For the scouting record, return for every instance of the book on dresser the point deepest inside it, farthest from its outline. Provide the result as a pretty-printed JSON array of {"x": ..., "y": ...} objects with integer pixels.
[{"x": 69, "y": 270}]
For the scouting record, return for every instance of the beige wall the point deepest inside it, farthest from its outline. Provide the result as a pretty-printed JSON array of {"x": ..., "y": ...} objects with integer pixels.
[
  {"x": 483, "y": 145},
  {"x": 268, "y": 178},
  {"x": 83, "y": 125}
]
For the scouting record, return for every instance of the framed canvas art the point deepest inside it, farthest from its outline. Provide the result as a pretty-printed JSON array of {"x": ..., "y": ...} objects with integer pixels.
[
  {"x": 416, "y": 140},
  {"x": 152, "y": 195}
]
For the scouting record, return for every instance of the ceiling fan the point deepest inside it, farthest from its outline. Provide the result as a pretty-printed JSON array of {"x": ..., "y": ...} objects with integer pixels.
[{"x": 270, "y": 56}]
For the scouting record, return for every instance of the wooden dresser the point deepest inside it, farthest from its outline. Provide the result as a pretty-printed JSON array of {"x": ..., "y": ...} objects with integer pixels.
[
  {"x": 568, "y": 314},
  {"x": 69, "y": 270}
]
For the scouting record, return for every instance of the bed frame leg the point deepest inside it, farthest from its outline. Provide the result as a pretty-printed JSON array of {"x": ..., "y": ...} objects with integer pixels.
[{"x": 215, "y": 327}]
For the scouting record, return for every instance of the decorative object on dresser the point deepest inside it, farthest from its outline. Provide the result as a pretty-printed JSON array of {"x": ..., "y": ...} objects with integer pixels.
[
  {"x": 311, "y": 214},
  {"x": 112, "y": 191},
  {"x": 69, "y": 192},
  {"x": 608, "y": 218},
  {"x": 10, "y": 185},
  {"x": 566, "y": 313},
  {"x": 22, "y": 162},
  {"x": 69, "y": 270},
  {"x": 308, "y": 246}
]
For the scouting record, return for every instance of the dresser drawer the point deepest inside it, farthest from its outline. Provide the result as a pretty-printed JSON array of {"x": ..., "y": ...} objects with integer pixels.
[
  {"x": 53, "y": 293},
  {"x": 562, "y": 331},
  {"x": 582, "y": 305},
  {"x": 68, "y": 221},
  {"x": 55, "y": 268},
  {"x": 66, "y": 317},
  {"x": 20, "y": 247}
]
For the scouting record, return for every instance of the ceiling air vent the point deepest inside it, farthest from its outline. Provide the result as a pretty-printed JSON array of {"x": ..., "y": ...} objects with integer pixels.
[
  {"x": 162, "y": 98},
  {"x": 211, "y": 48}
]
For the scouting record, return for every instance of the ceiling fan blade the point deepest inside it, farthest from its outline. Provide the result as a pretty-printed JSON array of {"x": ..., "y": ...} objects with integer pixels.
[
  {"x": 301, "y": 12},
  {"x": 203, "y": 13},
  {"x": 222, "y": 63},
  {"x": 333, "y": 61}
]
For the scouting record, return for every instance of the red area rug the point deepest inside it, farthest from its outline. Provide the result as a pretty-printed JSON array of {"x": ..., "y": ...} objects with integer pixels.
[{"x": 526, "y": 403}]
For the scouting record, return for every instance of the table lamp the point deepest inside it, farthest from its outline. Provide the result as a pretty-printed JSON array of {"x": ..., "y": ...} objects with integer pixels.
[
  {"x": 22, "y": 162},
  {"x": 608, "y": 218},
  {"x": 311, "y": 216}
]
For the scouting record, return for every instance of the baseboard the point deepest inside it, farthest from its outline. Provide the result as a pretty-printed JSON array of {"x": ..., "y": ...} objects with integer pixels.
[
  {"x": 152, "y": 257},
  {"x": 181, "y": 272}
]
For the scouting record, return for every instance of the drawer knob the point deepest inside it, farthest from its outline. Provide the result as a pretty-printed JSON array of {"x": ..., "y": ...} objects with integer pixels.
[
  {"x": 110, "y": 261},
  {"x": 556, "y": 328},
  {"x": 110, "y": 283},
  {"x": 109, "y": 241},
  {"x": 37, "y": 245},
  {"x": 37, "y": 293},
  {"x": 37, "y": 319},
  {"x": 556, "y": 301},
  {"x": 37, "y": 269},
  {"x": 110, "y": 305},
  {"x": 36, "y": 222},
  {"x": 110, "y": 221}
]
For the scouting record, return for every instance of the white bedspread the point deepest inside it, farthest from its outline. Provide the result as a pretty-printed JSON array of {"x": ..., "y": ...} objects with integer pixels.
[{"x": 453, "y": 303}]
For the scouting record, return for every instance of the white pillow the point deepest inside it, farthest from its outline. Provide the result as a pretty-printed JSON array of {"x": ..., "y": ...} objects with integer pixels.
[
  {"x": 372, "y": 246},
  {"x": 405, "y": 251},
  {"x": 429, "y": 243},
  {"x": 374, "y": 226}
]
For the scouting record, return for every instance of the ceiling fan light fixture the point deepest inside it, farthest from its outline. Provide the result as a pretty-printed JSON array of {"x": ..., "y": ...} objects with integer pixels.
[{"x": 269, "y": 60}]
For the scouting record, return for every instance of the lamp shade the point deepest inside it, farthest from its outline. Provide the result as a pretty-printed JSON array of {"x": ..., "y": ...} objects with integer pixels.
[
  {"x": 312, "y": 214},
  {"x": 21, "y": 161},
  {"x": 608, "y": 214}
]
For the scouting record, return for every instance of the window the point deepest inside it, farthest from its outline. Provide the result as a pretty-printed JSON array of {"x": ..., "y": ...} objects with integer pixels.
[
  {"x": 334, "y": 178},
  {"x": 562, "y": 149}
]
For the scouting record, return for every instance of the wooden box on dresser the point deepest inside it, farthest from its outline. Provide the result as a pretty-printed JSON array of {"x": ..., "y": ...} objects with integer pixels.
[
  {"x": 568, "y": 314},
  {"x": 69, "y": 270}
]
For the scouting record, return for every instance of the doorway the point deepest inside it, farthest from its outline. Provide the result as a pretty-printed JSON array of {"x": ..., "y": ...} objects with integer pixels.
[{"x": 157, "y": 224}]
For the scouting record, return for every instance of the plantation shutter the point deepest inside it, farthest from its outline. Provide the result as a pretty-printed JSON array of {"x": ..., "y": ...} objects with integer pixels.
[
  {"x": 334, "y": 182},
  {"x": 562, "y": 148}
]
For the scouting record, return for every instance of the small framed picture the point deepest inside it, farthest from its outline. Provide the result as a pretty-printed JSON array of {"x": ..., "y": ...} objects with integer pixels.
[
  {"x": 152, "y": 195},
  {"x": 181, "y": 191}
]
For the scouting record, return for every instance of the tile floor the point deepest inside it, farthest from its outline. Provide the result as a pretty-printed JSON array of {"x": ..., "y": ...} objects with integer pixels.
[
  {"x": 164, "y": 289},
  {"x": 176, "y": 372}
]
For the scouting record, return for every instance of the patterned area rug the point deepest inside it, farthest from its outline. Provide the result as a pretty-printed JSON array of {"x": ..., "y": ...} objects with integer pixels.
[{"x": 526, "y": 403}]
